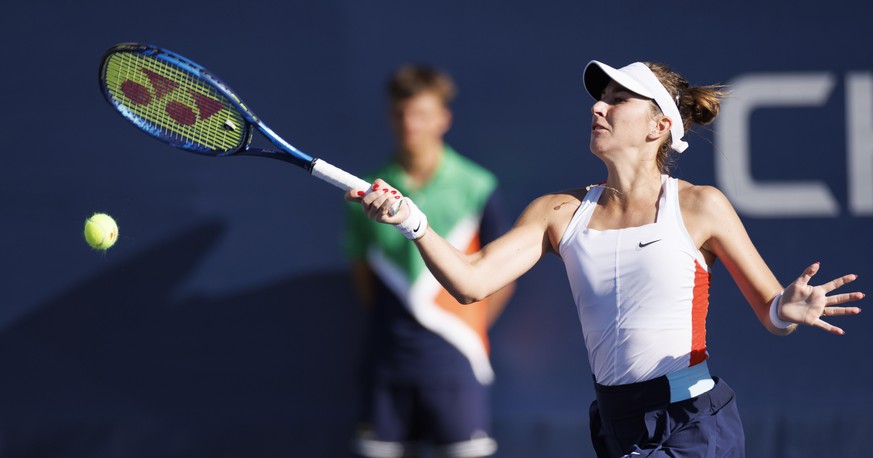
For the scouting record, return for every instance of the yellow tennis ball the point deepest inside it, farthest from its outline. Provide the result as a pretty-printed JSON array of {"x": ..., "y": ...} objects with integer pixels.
[{"x": 101, "y": 232}]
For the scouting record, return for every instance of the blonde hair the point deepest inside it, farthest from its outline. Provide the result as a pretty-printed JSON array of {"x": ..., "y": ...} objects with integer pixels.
[{"x": 697, "y": 105}]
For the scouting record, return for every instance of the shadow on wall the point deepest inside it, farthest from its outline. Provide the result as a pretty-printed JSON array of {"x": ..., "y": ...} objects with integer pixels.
[{"x": 118, "y": 367}]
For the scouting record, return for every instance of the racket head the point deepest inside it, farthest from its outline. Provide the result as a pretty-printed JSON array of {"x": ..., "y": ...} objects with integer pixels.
[{"x": 175, "y": 100}]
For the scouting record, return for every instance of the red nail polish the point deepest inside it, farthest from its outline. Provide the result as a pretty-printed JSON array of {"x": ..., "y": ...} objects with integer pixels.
[
  {"x": 393, "y": 192},
  {"x": 361, "y": 193},
  {"x": 385, "y": 190},
  {"x": 375, "y": 187},
  {"x": 396, "y": 197}
]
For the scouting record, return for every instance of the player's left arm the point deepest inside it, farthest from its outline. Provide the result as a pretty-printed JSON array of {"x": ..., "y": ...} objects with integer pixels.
[{"x": 716, "y": 227}]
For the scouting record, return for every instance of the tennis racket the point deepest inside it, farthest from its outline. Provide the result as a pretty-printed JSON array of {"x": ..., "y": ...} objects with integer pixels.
[{"x": 181, "y": 103}]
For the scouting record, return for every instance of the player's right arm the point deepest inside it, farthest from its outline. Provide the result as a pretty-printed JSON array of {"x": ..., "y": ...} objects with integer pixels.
[{"x": 473, "y": 277}]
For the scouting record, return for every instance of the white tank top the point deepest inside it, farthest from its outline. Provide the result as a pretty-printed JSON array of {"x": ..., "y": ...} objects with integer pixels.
[{"x": 642, "y": 293}]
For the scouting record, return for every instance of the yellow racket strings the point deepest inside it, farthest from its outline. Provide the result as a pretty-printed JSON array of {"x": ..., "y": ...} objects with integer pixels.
[{"x": 179, "y": 105}]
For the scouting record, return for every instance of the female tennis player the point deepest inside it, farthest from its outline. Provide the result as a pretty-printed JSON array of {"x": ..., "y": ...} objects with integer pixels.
[{"x": 638, "y": 249}]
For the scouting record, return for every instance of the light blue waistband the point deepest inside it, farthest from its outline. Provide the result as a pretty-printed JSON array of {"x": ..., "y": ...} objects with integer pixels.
[{"x": 690, "y": 382}]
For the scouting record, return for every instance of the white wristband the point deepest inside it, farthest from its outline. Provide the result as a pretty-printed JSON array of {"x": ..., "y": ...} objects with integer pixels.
[
  {"x": 415, "y": 225},
  {"x": 774, "y": 316}
]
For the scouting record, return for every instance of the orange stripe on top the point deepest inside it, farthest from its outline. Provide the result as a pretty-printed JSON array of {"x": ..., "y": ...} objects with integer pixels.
[
  {"x": 699, "y": 309},
  {"x": 475, "y": 314}
]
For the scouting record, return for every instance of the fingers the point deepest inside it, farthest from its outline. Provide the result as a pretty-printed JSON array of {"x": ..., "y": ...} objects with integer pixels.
[
  {"x": 840, "y": 311},
  {"x": 837, "y": 299},
  {"x": 374, "y": 203},
  {"x": 354, "y": 195},
  {"x": 831, "y": 311},
  {"x": 838, "y": 282},
  {"x": 821, "y": 324},
  {"x": 382, "y": 194},
  {"x": 809, "y": 272},
  {"x": 357, "y": 195},
  {"x": 380, "y": 202}
]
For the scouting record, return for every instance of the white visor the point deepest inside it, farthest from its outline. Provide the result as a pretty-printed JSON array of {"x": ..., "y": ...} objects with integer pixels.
[{"x": 639, "y": 79}]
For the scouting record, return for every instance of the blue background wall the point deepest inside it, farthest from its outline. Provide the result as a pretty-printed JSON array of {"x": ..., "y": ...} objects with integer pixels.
[{"x": 222, "y": 323}]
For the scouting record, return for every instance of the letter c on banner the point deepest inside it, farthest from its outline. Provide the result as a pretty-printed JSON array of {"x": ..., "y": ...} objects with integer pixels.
[{"x": 733, "y": 170}]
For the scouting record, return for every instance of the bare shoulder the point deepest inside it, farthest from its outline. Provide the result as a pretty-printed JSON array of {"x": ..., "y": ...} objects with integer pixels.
[
  {"x": 550, "y": 214},
  {"x": 707, "y": 213},
  {"x": 556, "y": 203},
  {"x": 702, "y": 199}
]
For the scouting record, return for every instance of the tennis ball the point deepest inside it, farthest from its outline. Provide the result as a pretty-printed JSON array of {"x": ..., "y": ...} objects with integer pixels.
[{"x": 101, "y": 232}]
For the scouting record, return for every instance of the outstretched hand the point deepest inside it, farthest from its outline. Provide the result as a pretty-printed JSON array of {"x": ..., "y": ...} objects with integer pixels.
[
  {"x": 803, "y": 303},
  {"x": 379, "y": 202}
]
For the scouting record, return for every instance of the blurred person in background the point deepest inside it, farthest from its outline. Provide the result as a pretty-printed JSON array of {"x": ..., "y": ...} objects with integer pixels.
[{"x": 426, "y": 364}]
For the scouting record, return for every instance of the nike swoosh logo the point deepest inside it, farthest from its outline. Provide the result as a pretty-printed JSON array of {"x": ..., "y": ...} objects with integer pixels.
[
  {"x": 643, "y": 245},
  {"x": 417, "y": 227}
]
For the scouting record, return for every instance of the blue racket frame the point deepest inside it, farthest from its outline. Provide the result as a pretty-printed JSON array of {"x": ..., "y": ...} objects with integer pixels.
[{"x": 287, "y": 152}]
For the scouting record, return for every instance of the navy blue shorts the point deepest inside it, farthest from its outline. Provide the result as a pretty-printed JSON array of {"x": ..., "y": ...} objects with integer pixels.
[
  {"x": 454, "y": 418},
  {"x": 638, "y": 420}
]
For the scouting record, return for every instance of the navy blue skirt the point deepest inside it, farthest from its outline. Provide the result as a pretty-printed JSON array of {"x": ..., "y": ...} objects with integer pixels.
[{"x": 638, "y": 420}]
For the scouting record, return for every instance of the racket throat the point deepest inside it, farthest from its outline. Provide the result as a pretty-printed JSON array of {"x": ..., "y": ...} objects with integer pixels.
[{"x": 299, "y": 162}]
